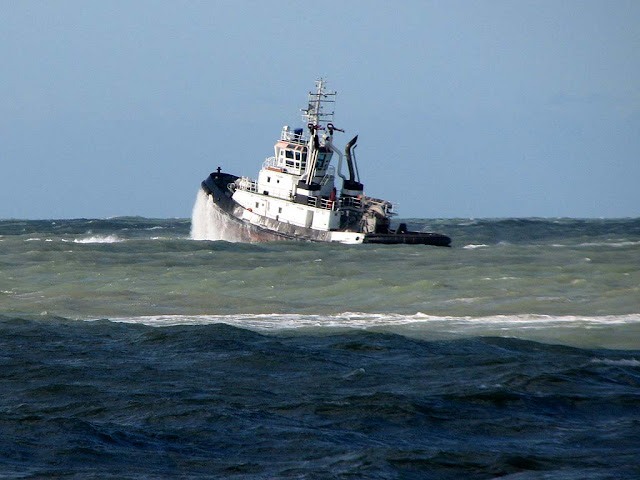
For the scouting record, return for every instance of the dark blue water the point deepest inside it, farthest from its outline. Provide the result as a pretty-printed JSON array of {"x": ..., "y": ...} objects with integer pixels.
[{"x": 115, "y": 400}]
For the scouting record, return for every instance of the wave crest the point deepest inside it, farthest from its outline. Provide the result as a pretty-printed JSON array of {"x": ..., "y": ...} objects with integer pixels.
[{"x": 608, "y": 331}]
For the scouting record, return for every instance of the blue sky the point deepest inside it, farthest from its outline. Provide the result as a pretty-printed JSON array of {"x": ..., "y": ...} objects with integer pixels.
[{"x": 463, "y": 108}]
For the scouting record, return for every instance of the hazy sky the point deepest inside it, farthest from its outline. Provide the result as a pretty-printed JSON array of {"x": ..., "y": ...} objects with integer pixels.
[{"x": 463, "y": 108}]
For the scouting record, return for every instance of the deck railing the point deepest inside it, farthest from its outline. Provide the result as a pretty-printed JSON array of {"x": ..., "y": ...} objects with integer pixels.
[
  {"x": 353, "y": 202},
  {"x": 270, "y": 162},
  {"x": 291, "y": 136},
  {"x": 245, "y": 183}
]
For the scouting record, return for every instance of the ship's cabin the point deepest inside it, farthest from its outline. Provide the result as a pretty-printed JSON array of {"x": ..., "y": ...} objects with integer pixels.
[{"x": 291, "y": 157}]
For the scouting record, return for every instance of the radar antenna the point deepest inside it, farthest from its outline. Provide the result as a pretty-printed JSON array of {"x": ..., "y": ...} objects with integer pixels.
[{"x": 315, "y": 114}]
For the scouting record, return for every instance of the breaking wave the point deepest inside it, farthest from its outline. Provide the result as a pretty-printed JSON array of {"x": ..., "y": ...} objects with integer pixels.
[
  {"x": 580, "y": 331},
  {"x": 99, "y": 239}
]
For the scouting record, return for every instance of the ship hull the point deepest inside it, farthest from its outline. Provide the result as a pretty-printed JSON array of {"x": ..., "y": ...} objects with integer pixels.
[{"x": 258, "y": 228}]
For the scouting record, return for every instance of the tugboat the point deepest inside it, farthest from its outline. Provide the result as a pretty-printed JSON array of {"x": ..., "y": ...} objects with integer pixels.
[{"x": 296, "y": 196}]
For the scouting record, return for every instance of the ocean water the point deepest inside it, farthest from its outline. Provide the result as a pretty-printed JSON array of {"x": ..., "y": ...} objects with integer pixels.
[{"x": 130, "y": 350}]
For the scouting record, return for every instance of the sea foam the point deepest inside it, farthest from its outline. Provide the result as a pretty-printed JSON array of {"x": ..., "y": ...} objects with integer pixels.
[
  {"x": 566, "y": 330},
  {"x": 99, "y": 239}
]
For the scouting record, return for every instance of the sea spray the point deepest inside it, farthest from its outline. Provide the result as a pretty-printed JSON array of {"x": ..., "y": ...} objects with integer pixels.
[{"x": 209, "y": 223}]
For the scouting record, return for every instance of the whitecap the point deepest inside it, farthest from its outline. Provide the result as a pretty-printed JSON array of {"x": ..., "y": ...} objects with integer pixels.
[
  {"x": 619, "y": 244},
  {"x": 99, "y": 239},
  {"x": 472, "y": 246},
  {"x": 624, "y": 362},
  {"x": 566, "y": 330}
]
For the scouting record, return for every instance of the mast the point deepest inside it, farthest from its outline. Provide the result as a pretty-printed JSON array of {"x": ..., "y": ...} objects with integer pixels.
[
  {"x": 315, "y": 114},
  {"x": 317, "y": 118}
]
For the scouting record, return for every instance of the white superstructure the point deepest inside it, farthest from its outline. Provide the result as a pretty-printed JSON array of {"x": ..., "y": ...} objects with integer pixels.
[
  {"x": 297, "y": 184},
  {"x": 297, "y": 194}
]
